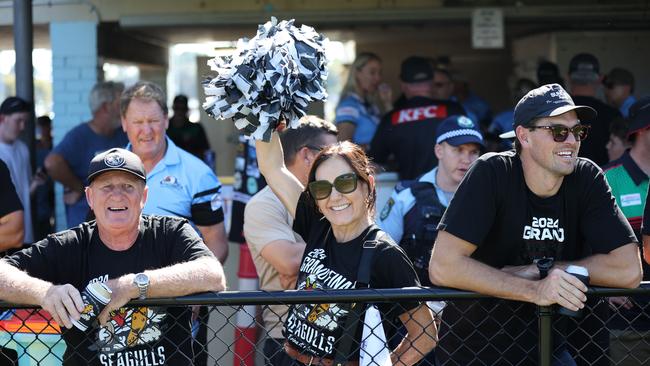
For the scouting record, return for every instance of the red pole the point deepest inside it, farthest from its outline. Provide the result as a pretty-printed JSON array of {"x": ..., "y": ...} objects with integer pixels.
[{"x": 246, "y": 330}]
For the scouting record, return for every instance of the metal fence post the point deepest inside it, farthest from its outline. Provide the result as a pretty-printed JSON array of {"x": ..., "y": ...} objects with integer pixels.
[{"x": 545, "y": 325}]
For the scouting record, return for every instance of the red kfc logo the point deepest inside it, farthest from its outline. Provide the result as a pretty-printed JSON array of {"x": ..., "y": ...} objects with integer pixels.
[{"x": 419, "y": 114}]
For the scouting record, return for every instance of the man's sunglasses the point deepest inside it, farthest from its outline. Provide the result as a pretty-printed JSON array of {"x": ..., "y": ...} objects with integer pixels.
[
  {"x": 561, "y": 133},
  {"x": 344, "y": 183}
]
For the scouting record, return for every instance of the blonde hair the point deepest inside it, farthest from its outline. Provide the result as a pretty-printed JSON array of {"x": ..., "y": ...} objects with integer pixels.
[{"x": 351, "y": 84}]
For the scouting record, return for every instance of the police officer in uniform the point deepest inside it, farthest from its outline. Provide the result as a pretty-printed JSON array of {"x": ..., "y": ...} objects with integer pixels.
[
  {"x": 415, "y": 207},
  {"x": 415, "y": 121}
]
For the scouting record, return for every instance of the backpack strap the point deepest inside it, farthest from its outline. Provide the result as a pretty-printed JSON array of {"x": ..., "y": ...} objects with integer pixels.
[{"x": 356, "y": 310}]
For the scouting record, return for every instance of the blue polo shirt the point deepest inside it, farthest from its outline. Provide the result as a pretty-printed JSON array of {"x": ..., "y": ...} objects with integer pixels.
[
  {"x": 182, "y": 185},
  {"x": 365, "y": 117}
]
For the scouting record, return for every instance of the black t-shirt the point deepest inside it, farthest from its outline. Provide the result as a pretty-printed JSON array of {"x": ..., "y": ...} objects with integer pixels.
[
  {"x": 327, "y": 264},
  {"x": 409, "y": 133},
  {"x": 8, "y": 196},
  {"x": 142, "y": 336},
  {"x": 593, "y": 147},
  {"x": 512, "y": 226},
  {"x": 189, "y": 137}
]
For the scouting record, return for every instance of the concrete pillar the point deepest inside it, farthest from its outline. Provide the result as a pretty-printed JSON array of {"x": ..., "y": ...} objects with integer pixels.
[{"x": 74, "y": 72}]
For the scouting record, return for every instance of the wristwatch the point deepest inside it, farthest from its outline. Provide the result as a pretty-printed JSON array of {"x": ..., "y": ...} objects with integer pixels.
[
  {"x": 544, "y": 265},
  {"x": 141, "y": 281}
]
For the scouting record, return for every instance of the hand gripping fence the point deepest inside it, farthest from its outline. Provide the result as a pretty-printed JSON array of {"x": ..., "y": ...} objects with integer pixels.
[{"x": 615, "y": 329}]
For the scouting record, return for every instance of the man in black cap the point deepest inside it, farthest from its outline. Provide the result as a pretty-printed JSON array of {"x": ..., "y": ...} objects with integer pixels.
[
  {"x": 406, "y": 132},
  {"x": 539, "y": 204},
  {"x": 584, "y": 81},
  {"x": 619, "y": 90},
  {"x": 628, "y": 178},
  {"x": 135, "y": 255}
]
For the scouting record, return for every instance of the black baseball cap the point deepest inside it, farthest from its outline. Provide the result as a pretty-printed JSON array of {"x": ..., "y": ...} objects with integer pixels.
[
  {"x": 416, "y": 69},
  {"x": 584, "y": 67},
  {"x": 548, "y": 100},
  {"x": 458, "y": 130},
  {"x": 116, "y": 159},
  {"x": 14, "y": 105},
  {"x": 639, "y": 115}
]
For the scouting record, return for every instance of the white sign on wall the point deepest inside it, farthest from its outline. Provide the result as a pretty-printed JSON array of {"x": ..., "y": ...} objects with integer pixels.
[{"x": 487, "y": 28}]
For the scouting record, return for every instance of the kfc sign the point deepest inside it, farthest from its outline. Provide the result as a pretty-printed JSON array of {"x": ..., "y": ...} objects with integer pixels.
[{"x": 419, "y": 114}]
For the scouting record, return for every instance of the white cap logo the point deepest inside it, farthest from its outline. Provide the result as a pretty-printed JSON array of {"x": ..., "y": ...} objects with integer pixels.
[
  {"x": 465, "y": 122},
  {"x": 114, "y": 160}
]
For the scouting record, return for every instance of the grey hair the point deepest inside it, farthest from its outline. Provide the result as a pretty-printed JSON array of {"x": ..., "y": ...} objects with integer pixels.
[
  {"x": 144, "y": 90},
  {"x": 104, "y": 92}
]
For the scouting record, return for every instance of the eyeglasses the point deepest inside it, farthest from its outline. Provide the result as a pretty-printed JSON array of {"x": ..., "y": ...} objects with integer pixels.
[
  {"x": 561, "y": 133},
  {"x": 344, "y": 183}
]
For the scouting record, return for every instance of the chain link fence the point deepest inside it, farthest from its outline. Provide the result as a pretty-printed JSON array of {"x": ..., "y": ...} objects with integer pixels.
[{"x": 613, "y": 329}]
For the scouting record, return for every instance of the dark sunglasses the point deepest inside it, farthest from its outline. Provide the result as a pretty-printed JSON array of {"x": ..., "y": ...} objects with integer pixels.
[
  {"x": 561, "y": 133},
  {"x": 344, "y": 183}
]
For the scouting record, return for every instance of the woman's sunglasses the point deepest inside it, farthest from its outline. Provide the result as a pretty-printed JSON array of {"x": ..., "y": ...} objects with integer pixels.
[
  {"x": 344, "y": 183},
  {"x": 561, "y": 133}
]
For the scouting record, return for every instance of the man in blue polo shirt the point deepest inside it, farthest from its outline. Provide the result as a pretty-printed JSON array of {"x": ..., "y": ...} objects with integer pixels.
[
  {"x": 180, "y": 184},
  {"x": 68, "y": 162}
]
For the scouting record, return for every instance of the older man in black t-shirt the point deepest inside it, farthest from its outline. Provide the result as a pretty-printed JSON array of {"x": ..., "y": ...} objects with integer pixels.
[
  {"x": 515, "y": 208},
  {"x": 135, "y": 255}
]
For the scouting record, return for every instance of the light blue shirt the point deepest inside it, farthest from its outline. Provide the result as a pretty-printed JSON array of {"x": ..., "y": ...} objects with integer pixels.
[
  {"x": 363, "y": 115},
  {"x": 401, "y": 201},
  {"x": 182, "y": 185}
]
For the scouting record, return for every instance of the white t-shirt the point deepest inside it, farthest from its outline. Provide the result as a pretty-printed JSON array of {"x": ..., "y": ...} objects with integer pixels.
[{"x": 16, "y": 156}]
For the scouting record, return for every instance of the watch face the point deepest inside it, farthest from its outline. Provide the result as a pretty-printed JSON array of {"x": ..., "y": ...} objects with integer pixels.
[
  {"x": 141, "y": 279},
  {"x": 545, "y": 263}
]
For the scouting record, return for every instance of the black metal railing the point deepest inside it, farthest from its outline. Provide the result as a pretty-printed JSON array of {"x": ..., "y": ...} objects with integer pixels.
[{"x": 612, "y": 330}]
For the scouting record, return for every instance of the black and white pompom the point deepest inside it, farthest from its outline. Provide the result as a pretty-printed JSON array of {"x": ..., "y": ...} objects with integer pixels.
[{"x": 272, "y": 76}]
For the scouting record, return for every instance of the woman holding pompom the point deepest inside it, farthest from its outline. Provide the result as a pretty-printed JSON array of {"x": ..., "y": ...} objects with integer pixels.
[{"x": 335, "y": 217}]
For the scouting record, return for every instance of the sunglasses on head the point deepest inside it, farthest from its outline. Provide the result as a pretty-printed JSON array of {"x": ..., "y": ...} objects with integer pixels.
[
  {"x": 344, "y": 183},
  {"x": 561, "y": 133}
]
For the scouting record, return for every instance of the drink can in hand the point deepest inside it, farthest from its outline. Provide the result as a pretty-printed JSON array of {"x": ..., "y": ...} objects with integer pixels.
[
  {"x": 582, "y": 274},
  {"x": 95, "y": 297}
]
